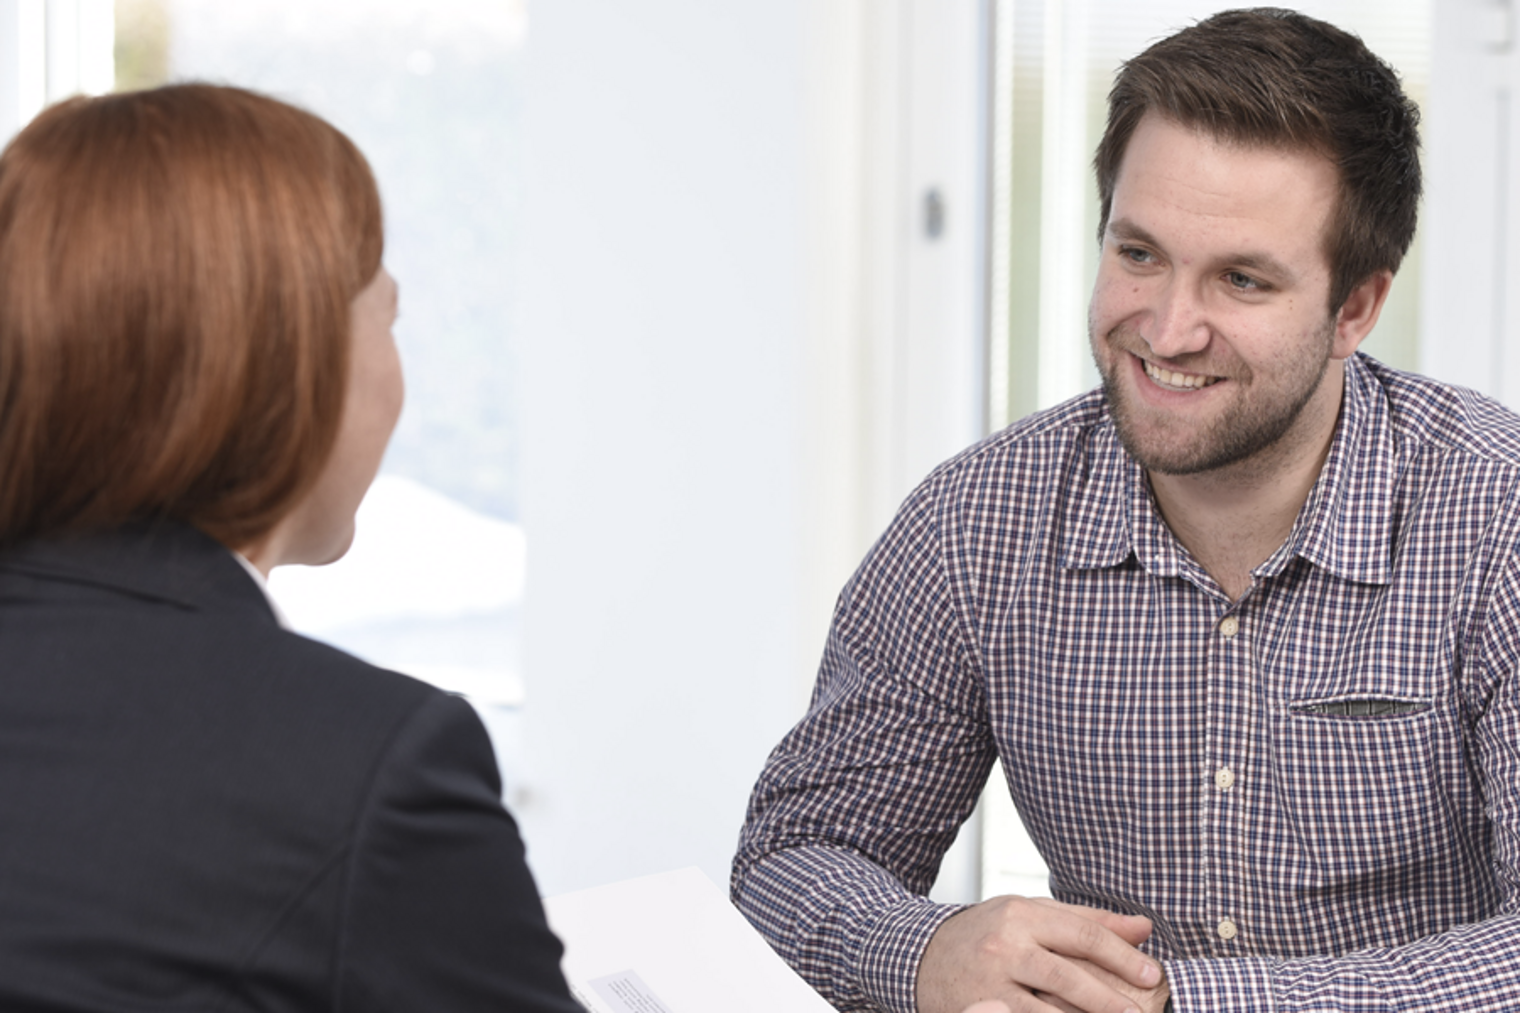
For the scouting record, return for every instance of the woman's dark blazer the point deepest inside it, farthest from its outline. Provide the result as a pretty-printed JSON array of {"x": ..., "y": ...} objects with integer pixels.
[{"x": 202, "y": 811}]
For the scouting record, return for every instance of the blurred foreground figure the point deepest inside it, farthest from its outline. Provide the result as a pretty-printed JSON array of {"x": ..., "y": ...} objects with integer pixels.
[{"x": 200, "y": 810}]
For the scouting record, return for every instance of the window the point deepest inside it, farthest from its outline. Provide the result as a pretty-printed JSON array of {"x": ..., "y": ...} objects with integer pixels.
[{"x": 51, "y": 49}]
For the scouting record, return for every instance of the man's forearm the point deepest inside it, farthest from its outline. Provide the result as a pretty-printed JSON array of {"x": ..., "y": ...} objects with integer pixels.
[
  {"x": 1471, "y": 969},
  {"x": 845, "y": 924}
]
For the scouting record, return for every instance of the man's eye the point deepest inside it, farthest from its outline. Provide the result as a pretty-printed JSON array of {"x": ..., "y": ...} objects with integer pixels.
[
  {"x": 1243, "y": 282},
  {"x": 1135, "y": 255}
]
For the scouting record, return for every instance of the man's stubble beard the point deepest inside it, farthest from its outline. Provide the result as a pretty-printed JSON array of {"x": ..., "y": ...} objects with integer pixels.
[{"x": 1245, "y": 429}]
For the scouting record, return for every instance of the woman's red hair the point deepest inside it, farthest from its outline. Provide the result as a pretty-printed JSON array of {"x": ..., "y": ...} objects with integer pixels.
[{"x": 176, "y": 272}]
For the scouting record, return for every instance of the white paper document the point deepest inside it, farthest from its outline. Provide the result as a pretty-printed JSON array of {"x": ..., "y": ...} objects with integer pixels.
[{"x": 671, "y": 943}]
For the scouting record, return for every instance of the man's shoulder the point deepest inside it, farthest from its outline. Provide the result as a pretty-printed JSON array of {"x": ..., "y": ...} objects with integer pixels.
[
  {"x": 1039, "y": 449},
  {"x": 1428, "y": 414},
  {"x": 1026, "y": 474},
  {"x": 1033, "y": 437}
]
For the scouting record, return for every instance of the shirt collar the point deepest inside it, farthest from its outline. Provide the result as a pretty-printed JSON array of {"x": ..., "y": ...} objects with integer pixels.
[
  {"x": 1345, "y": 526},
  {"x": 263, "y": 585},
  {"x": 1103, "y": 517}
]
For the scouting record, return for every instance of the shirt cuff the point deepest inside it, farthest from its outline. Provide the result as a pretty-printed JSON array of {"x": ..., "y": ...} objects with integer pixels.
[
  {"x": 887, "y": 961},
  {"x": 1242, "y": 985}
]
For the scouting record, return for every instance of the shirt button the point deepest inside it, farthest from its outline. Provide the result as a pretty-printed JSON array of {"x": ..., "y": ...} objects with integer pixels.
[
  {"x": 1228, "y": 627},
  {"x": 1224, "y": 778},
  {"x": 1227, "y": 929}
]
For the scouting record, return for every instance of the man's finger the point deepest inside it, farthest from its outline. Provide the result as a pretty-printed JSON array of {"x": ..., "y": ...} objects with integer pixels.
[
  {"x": 1133, "y": 929},
  {"x": 1009, "y": 947},
  {"x": 1075, "y": 935},
  {"x": 1054, "y": 978}
]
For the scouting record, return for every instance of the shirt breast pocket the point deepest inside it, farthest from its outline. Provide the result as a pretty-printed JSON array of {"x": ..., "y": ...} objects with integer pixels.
[{"x": 1360, "y": 784}]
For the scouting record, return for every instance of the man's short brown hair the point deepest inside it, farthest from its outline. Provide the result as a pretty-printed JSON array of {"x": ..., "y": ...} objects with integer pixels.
[
  {"x": 176, "y": 273},
  {"x": 1276, "y": 78}
]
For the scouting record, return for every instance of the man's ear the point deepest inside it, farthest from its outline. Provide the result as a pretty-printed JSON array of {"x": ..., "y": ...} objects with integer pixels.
[{"x": 1360, "y": 312}]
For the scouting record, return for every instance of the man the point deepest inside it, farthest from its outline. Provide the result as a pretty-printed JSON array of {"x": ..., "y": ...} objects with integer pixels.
[{"x": 1242, "y": 626}]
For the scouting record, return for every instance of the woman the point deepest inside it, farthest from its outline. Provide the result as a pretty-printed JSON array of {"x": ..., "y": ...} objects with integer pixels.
[{"x": 199, "y": 809}]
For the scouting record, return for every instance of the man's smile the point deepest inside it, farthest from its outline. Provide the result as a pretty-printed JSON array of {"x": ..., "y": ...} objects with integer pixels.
[{"x": 1172, "y": 380}]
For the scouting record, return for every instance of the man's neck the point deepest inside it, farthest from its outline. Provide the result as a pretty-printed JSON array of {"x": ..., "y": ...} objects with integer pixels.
[{"x": 1233, "y": 519}]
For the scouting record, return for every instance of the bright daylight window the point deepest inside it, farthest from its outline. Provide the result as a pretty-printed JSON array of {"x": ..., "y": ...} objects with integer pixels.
[{"x": 433, "y": 583}]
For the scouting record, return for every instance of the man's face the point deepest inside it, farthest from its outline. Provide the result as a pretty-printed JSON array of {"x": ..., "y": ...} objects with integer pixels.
[{"x": 1208, "y": 321}]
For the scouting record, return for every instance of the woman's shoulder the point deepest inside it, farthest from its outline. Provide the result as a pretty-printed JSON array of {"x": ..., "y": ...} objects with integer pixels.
[{"x": 162, "y": 622}]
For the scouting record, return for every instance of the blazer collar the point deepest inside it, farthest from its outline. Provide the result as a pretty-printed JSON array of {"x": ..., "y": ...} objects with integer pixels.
[{"x": 164, "y": 561}]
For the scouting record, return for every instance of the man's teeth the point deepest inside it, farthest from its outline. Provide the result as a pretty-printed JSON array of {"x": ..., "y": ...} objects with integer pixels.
[{"x": 1182, "y": 381}]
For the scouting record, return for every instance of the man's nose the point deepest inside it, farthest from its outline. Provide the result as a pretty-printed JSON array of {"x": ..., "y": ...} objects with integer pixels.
[{"x": 1178, "y": 324}]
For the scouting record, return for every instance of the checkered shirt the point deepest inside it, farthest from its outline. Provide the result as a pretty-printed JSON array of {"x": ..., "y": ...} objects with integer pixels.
[{"x": 1029, "y": 603}]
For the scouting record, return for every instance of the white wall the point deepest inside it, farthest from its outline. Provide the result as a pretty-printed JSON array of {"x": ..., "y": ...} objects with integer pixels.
[
  {"x": 737, "y": 351},
  {"x": 658, "y": 340},
  {"x": 1471, "y": 306}
]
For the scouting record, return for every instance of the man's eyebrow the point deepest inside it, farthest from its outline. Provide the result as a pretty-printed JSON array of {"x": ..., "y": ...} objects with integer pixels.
[
  {"x": 1125, "y": 231},
  {"x": 1264, "y": 264}
]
